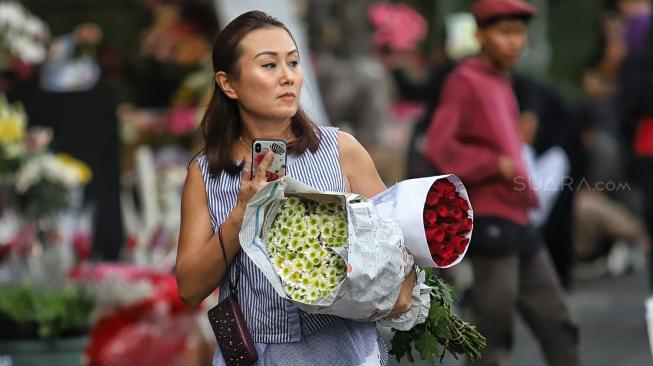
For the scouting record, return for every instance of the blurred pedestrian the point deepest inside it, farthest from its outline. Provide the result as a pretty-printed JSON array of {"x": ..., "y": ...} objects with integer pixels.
[
  {"x": 475, "y": 134},
  {"x": 636, "y": 115}
]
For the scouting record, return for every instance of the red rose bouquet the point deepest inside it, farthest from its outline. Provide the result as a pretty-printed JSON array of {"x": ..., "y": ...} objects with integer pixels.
[
  {"x": 447, "y": 223},
  {"x": 435, "y": 217}
]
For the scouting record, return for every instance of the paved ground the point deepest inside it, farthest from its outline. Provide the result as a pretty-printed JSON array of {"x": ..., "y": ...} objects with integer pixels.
[{"x": 610, "y": 312}]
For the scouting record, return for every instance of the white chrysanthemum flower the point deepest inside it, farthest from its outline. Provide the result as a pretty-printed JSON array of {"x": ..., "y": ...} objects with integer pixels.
[
  {"x": 305, "y": 281},
  {"x": 296, "y": 220},
  {"x": 294, "y": 244},
  {"x": 295, "y": 277},
  {"x": 342, "y": 233},
  {"x": 327, "y": 232},
  {"x": 282, "y": 252},
  {"x": 331, "y": 241},
  {"x": 313, "y": 220},
  {"x": 285, "y": 271},
  {"x": 333, "y": 281},
  {"x": 271, "y": 237},
  {"x": 313, "y": 232},
  {"x": 312, "y": 295},
  {"x": 315, "y": 283},
  {"x": 340, "y": 224},
  {"x": 308, "y": 265},
  {"x": 298, "y": 263},
  {"x": 312, "y": 243},
  {"x": 289, "y": 288},
  {"x": 285, "y": 231},
  {"x": 298, "y": 295},
  {"x": 293, "y": 201},
  {"x": 322, "y": 208},
  {"x": 323, "y": 284},
  {"x": 312, "y": 254},
  {"x": 278, "y": 261}
]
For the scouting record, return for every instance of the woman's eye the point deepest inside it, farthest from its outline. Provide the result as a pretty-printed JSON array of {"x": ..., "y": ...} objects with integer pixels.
[
  {"x": 270, "y": 66},
  {"x": 294, "y": 63}
]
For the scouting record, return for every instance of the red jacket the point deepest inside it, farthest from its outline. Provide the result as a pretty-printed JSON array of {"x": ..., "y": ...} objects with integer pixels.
[{"x": 477, "y": 121}]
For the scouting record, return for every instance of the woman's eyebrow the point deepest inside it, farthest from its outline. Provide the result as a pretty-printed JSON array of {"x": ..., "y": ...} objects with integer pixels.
[{"x": 272, "y": 53}]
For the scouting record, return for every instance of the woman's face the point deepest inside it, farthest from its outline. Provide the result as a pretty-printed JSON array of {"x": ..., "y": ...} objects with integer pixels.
[{"x": 270, "y": 78}]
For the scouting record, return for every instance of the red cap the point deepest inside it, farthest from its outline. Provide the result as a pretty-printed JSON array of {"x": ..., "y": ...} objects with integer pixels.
[{"x": 485, "y": 10}]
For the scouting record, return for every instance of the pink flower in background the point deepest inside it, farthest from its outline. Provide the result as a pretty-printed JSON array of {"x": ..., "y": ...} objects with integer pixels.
[
  {"x": 182, "y": 120},
  {"x": 397, "y": 26}
]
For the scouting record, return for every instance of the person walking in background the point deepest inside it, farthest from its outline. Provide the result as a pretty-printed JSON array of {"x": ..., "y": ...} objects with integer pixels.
[
  {"x": 475, "y": 134},
  {"x": 636, "y": 115}
]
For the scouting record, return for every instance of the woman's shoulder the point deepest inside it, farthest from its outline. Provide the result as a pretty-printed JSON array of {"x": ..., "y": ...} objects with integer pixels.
[{"x": 328, "y": 131}]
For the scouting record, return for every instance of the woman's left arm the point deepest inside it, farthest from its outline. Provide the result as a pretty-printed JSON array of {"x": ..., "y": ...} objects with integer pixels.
[{"x": 361, "y": 177}]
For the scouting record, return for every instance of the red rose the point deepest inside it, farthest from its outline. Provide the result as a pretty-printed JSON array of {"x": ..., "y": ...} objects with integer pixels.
[
  {"x": 430, "y": 217},
  {"x": 434, "y": 234},
  {"x": 432, "y": 199},
  {"x": 450, "y": 195},
  {"x": 466, "y": 224},
  {"x": 457, "y": 214},
  {"x": 459, "y": 244},
  {"x": 452, "y": 228},
  {"x": 462, "y": 204},
  {"x": 442, "y": 262},
  {"x": 445, "y": 186},
  {"x": 442, "y": 254},
  {"x": 442, "y": 210}
]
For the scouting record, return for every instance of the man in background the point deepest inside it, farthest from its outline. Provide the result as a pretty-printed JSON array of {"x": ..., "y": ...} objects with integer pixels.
[{"x": 475, "y": 134}]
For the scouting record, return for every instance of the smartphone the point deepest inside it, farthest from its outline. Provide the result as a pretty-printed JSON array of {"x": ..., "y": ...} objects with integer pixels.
[{"x": 277, "y": 168}]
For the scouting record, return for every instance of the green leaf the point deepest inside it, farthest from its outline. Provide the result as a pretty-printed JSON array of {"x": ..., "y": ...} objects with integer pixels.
[{"x": 427, "y": 345}]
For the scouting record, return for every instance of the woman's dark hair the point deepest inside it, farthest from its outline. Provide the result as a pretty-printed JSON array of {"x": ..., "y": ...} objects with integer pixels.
[{"x": 221, "y": 125}]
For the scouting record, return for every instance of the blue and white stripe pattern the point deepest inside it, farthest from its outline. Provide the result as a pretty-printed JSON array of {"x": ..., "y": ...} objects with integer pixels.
[{"x": 270, "y": 318}]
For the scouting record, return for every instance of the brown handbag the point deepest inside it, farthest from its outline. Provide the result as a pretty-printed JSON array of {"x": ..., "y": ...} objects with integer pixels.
[{"x": 228, "y": 323}]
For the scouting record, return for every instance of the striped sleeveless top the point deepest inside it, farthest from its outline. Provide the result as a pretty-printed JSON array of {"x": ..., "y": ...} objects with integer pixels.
[{"x": 270, "y": 318}]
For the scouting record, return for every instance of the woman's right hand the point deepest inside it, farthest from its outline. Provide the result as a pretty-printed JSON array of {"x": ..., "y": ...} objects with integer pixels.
[{"x": 249, "y": 186}]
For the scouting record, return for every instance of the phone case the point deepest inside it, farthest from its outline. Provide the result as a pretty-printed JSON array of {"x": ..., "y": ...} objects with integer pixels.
[{"x": 277, "y": 168}]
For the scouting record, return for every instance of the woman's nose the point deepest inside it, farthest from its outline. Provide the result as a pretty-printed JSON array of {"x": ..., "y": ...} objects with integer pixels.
[{"x": 287, "y": 76}]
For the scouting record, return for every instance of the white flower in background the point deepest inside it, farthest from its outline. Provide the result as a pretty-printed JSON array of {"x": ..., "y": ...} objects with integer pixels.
[
  {"x": 61, "y": 169},
  {"x": 11, "y": 13},
  {"x": 22, "y": 34},
  {"x": 299, "y": 244}
]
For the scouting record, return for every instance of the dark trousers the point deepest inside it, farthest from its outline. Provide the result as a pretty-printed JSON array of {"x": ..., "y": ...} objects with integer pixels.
[
  {"x": 520, "y": 282},
  {"x": 644, "y": 177}
]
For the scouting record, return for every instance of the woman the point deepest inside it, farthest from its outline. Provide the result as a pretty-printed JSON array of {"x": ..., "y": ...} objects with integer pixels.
[{"x": 258, "y": 82}]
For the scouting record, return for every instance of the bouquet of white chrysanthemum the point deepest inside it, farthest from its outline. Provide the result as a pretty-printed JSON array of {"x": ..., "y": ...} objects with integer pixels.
[
  {"x": 304, "y": 245},
  {"x": 330, "y": 253}
]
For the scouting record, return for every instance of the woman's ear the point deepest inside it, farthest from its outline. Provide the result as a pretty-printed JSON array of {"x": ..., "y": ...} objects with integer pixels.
[{"x": 225, "y": 83}]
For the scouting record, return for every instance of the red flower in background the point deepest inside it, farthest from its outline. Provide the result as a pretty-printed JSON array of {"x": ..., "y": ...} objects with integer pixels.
[
  {"x": 447, "y": 239},
  {"x": 82, "y": 246}
]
